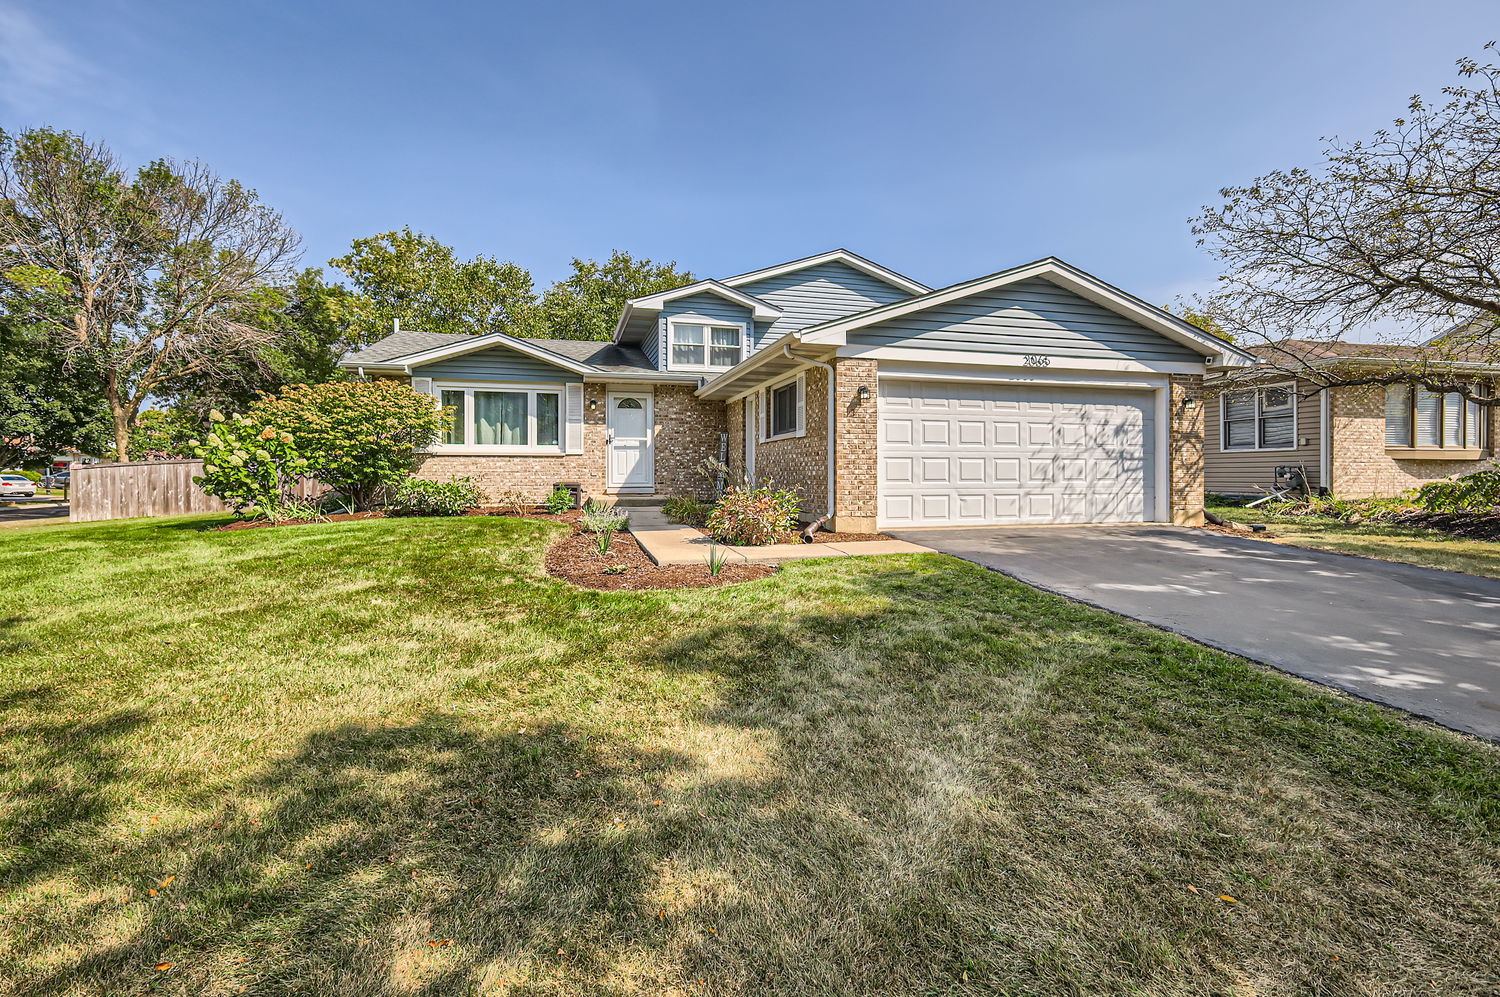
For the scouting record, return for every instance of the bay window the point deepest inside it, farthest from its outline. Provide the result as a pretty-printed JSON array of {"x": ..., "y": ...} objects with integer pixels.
[
  {"x": 502, "y": 419},
  {"x": 1419, "y": 419},
  {"x": 1258, "y": 418},
  {"x": 696, "y": 344}
]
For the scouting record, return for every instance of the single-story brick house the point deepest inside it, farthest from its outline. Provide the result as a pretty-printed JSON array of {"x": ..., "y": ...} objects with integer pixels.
[
  {"x": 1040, "y": 394},
  {"x": 1354, "y": 441}
]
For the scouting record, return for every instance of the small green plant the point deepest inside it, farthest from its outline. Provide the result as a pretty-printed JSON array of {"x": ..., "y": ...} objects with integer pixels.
[
  {"x": 754, "y": 516},
  {"x": 688, "y": 511},
  {"x": 515, "y": 502},
  {"x": 420, "y": 497},
  {"x": 616, "y": 569},
  {"x": 603, "y": 541},
  {"x": 559, "y": 501},
  {"x": 1478, "y": 492},
  {"x": 717, "y": 555},
  {"x": 597, "y": 517}
]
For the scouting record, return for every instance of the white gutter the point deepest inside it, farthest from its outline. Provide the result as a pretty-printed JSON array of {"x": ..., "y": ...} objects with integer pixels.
[{"x": 833, "y": 402}]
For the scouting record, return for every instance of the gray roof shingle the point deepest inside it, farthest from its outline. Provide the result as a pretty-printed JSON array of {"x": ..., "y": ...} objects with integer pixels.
[{"x": 606, "y": 357}]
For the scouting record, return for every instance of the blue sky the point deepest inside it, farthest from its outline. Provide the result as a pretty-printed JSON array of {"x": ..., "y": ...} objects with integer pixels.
[{"x": 943, "y": 139}]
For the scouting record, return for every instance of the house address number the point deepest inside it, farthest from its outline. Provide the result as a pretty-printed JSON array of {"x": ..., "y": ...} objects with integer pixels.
[{"x": 1035, "y": 360}]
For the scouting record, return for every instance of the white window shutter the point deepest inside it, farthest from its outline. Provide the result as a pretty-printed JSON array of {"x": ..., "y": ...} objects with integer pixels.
[
  {"x": 422, "y": 385},
  {"x": 801, "y": 403},
  {"x": 573, "y": 431}
]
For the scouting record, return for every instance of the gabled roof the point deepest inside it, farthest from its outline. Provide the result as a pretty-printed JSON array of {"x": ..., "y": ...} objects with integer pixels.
[
  {"x": 835, "y": 331},
  {"x": 761, "y": 311},
  {"x": 843, "y": 256},
  {"x": 402, "y": 351}
]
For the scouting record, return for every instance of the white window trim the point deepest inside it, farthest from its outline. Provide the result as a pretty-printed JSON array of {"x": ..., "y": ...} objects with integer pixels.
[
  {"x": 800, "y": 380},
  {"x": 532, "y": 389},
  {"x": 710, "y": 324},
  {"x": 1482, "y": 438},
  {"x": 1290, "y": 386}
]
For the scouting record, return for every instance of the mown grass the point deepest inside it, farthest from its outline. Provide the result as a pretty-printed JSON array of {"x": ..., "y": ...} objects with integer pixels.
[
  {"x": 1425, "y": 548},
  {"x": 390, "y": 757}
]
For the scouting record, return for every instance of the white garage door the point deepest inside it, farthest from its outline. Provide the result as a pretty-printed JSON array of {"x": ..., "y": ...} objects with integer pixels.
[{"x": 961, "y": 454}]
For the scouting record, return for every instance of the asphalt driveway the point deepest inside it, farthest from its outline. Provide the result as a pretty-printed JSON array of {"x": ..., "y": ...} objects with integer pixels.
[{"x": 1425, "y": 641}]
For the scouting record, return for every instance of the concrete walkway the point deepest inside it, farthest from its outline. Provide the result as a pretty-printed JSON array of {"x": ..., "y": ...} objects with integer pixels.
[
  {"x": 1424, "y": 641},
  {"x": 670, "y": 543}
]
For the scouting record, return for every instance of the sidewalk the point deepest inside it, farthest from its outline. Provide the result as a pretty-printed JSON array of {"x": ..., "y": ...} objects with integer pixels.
[{"x": 668, "y": 543}]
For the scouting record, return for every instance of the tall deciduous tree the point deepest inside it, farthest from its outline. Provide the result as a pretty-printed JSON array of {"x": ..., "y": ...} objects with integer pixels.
[
  {"x": 144, "y": 278},
  {"x": 587, "y": 304},
  {"x": 1401, "y": 230},
  {"x": 45, "y": 409},
  {"x": 413, "y": 278}
]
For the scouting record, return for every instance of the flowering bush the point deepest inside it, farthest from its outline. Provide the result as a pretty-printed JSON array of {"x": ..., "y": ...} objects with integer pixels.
[
  {"x": 248, "y": 462},
  {"x": 600, "y": 518},
  {"x": 359, "y": 436},
  {"x": 420, "y": 497},
  {"x": 1478, "y": 492},
  {"x": 754, "y": 516}
]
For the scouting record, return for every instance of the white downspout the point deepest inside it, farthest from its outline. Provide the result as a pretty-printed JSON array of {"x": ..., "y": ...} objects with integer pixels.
[
  {"x": 833, "y": 408},
  {"x": 1325, "y": 443}
]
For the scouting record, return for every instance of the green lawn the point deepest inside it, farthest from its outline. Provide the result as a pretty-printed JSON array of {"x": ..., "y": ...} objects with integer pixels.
[
  {"x": 1427, "y": 548},
  {"x": 389, "y": 757}
]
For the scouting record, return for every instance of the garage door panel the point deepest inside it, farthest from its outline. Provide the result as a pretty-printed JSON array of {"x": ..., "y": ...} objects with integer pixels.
[{"x": 981, "y": 454}]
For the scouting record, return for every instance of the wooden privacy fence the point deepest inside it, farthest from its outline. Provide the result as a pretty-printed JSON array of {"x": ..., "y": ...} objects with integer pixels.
[{"x": 147, "y": 488}]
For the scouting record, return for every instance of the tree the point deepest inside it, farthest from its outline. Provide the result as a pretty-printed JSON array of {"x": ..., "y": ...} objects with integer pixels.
[
  {"x": 587, "y": 304},
  {"x": 412, "y": 278},
  {"x": 358, "y": 436},
  {"x": 146, "y": 278},
  {"x": 1402, "y": 229},
  {"x": 163, "y": 434},
  {"x": 45, "y": 409},
  {"x": 1198, "y": 315}
]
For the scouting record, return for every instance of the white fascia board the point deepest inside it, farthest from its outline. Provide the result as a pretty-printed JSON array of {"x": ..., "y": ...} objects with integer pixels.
[
  {"x": 762, "y": 310},
  {"x": 766, "y": 354},
  {"x": 1219, "y": 352},
  {"x": 484, "y": 343},
  {"x": 843, "y": 256},
  {"x": 619, "y": 377}
]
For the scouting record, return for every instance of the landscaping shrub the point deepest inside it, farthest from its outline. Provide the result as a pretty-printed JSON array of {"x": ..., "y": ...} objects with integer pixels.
[
  {"x": 1366, "y": 510},
  {"x": 358, "y": 436},
  {"x": 420, "y": 497},
  {"x": 600, "y": 518},
  {"x": 687, "y": 511},
  {"x": 1477, "y": 492},
  {"x": 753, "y": 516},
  {"x": 559, "y": 502},
  {"x": 249, "y": 462}
]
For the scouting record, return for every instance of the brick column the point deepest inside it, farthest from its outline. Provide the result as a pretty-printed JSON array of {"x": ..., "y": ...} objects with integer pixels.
[
  {"x": 1185, "y": 441},
  {"x": 855, "y": 447}
]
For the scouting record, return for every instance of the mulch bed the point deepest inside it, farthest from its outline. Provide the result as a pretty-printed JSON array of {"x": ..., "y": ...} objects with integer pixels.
[
  {"x": 575, "y": 558},
  {"x": 1468, "y": 526}
]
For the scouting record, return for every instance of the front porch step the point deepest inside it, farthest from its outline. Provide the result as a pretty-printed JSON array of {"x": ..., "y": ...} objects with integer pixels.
[{"x": 627, "y": 501}]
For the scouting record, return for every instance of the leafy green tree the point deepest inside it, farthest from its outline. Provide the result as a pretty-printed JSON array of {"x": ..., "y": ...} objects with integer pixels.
[
  {"x": 46, "y": 408},
  {"x": 413, "y": 278},
  {"x": 358, "y": 436},
  {"x": 587, "y": 304},
  {"x": 1199, "y": 314},
  {"x": 143, "y": 278},
  {"x": 163, "y": 434}
]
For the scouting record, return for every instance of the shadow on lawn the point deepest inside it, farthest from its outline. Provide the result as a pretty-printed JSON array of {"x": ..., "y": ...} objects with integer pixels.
[{"x": 892, "y": 801}]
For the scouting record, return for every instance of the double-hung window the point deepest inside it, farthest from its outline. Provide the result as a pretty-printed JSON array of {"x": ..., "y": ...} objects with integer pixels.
[
  {"x": 1259, "y": 418},
  {"x": 502, "y": 419},
  {"x": 1416, "y": 418},
  {"x": 696, "y": 344}
]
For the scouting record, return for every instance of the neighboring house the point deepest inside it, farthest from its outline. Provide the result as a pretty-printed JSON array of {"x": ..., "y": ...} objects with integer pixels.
[
  {"x": 1039, "y": 394},
  {"x": 1354, "y": 441}
]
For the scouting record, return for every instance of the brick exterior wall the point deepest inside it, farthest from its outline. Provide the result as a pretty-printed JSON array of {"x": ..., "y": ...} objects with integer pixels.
[
  {"x": 734, "y": 415},
  {"x": 1185, "y": 441},
  {"x": 801, "y": 462},
  {"x": 688, "y": 429},
  {"x": 1362, "y": 468},
  {"x": 855, "y": 436}
]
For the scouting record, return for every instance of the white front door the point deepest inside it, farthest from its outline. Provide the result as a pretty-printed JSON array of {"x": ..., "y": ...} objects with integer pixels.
[{"x": 632, "y": 466}]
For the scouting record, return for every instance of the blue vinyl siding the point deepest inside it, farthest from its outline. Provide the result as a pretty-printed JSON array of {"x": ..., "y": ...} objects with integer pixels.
[
  {"x": 651, "y": 346},
  {"x": 818, "y": 294},
  {"x": 496, "y": 364},
  {"x": 1033, "y": 317}
]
